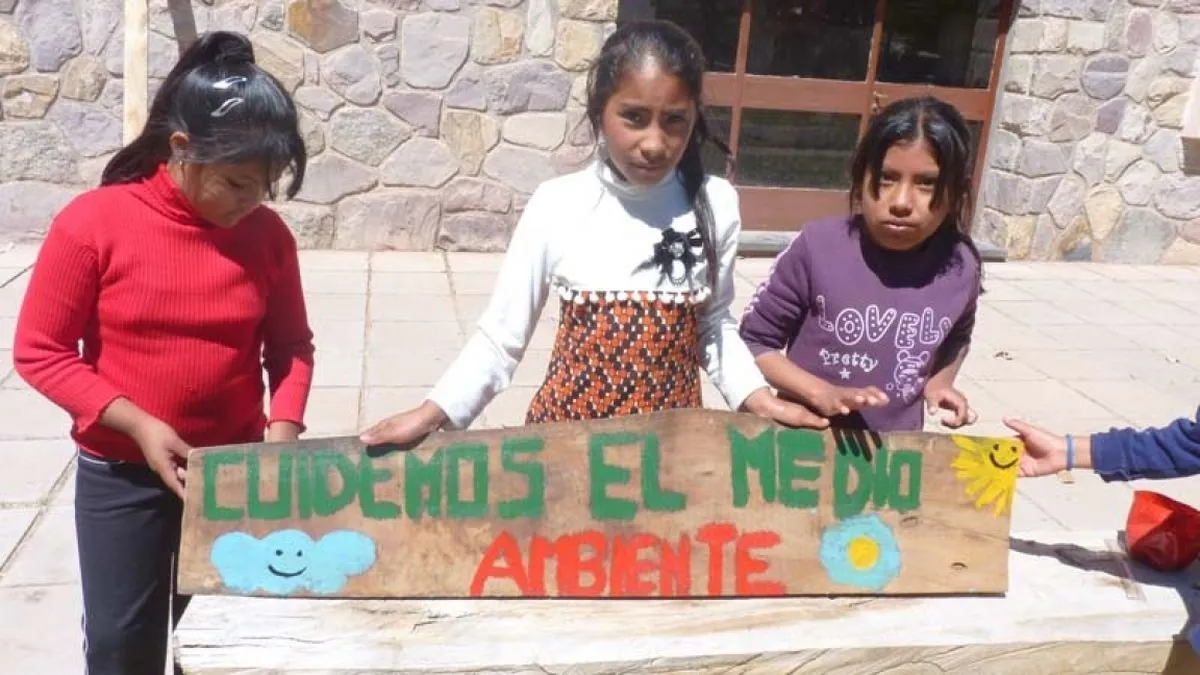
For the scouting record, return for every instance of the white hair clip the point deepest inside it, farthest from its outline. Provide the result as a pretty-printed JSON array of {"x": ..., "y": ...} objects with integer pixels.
[
  {"x": 222, "y": 85},
  {"x": 227, "y": 106}
]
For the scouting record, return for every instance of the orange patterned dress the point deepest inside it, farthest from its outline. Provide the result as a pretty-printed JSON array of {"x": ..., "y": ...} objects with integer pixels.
[{"x": 621, "y": 354}]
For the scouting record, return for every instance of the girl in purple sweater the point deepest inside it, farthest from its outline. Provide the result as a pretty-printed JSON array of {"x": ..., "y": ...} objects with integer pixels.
[{"x": 875, "y": 310}]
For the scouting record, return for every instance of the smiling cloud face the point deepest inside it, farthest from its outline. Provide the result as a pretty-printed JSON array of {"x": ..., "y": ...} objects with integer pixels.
[{"x": 287, "y": 561}]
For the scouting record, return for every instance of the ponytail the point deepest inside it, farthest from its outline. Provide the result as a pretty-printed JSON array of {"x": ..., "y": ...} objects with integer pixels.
[
  {"x": 229, "y": 107},
  {"x": 691, "y": 169}
]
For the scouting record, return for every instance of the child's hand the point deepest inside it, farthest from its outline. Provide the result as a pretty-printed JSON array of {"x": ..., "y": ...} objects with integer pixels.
[
  {"x": 949, "y": 398},
  {"x": 283, "y": 432},
  {"x": 406, "y": 428},
  {"x": 1045, "y": 453},
  {"x": 830, "y": 400},
  {"x": 165, "y": 452},
  {"x": 766, "y": 404}
]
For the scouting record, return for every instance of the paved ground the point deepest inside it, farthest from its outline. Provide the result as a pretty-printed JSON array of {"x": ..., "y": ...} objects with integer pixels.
[{"x": 1077, "y": 347}]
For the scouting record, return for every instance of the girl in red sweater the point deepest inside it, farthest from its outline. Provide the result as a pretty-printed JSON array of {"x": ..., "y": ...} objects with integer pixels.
[{"x": 182, "y": 287}]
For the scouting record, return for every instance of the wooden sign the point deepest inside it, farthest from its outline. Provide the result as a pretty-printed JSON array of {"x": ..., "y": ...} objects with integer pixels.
[{"x": 677, "y": 504}]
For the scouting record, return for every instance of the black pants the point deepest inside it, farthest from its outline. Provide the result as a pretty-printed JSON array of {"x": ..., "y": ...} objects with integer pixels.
[{"x": 127, "y": 528}]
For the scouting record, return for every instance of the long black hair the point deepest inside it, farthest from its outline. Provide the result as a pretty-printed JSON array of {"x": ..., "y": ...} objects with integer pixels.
[
  {"x": 941, "y": 126},
  {"x": 231, "y": 110},
  {"x": 676, "y": 52}
]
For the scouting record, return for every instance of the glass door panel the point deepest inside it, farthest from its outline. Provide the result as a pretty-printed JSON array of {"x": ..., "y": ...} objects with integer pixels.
[{"x": 826, "y": 39}]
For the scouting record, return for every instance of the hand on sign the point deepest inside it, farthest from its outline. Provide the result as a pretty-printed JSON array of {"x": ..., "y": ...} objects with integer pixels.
[
  {"x": 830, "y": 400},
  {"x": 406, "y": 428},
  {"x": 283, "y": 432},
  {"x": 949, "y": 398},
  {"x": 766, "y": 404},
  {"x": 165, "y": 452}
]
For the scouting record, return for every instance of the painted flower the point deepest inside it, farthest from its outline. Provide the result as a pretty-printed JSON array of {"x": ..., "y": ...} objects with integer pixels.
[{"x": 861, "y": 552}]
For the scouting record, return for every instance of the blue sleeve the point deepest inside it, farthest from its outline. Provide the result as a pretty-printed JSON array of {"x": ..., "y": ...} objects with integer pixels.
[{"x": 1168, "y": 452}]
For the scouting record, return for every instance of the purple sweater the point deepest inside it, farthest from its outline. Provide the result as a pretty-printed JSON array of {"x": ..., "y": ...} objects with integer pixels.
[{"x": 856, "y": 315}]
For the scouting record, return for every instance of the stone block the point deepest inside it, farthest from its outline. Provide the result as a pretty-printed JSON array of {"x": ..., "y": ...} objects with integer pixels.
[
  {"x": 319, "y": 100},
  {"x": 312, "y": 226},
  {"x": 1025, "y": 35},
  {"x": 281, "y": 57},
  {"x": 484, "y": 232},
  {"x": 378, "y": 24},
  {"x": 367, "y": 135},
  {"x": 312, "y": 132},
  {"x": 1139, "y": 32},
  {"x": 28, "y": 96},
  {"x": 1103, "y": 209},
  {"x": 1141, "y": 237},
  {"x": 84, "y": 79},
  {"x": 1109, "y": 115},
  {"x": 544, "y": 131},
  {"x": 1018, "y": 72},
  {"x": 1136, "y": 125},
  {"x": 331, "y": 177},
  {"x": 1085, "y": 37},
  {"x": 469, "y": 91},
  {"x": 1072, "y": 118},
  {"x": 1145, "y": 72},
  {"x": 1089, "y": 156},
  {"x": 420, "y": 110},
  {"x": 1041, "y": 158},
  {"x": 89, "y": 127},
  {"x": 98, "y": 22},
  {"x": 433, "y": 48},
  {"x": 1054, "y": 76},
  {"x": 470, "y": 135},
  {"x": 590, "y": 10},
  {"x": 1166, "y": 32},
  {"x": 1104, "y": 75},
  {"x": 395, "y": 219},
  {"x": 539, "y": 31},
  {"x": 421, "y": 162},
  {"x": 526, "y": 86},
  {"x": 1163, "y": 148},
  {"x": 1137, "y": 183},
  {"x": 475, "y": 194},
  {"x": 496, "y": 36},
  {"x": 52, "y": 28},
  {"x": 1181, "y": 253},
  {"x": 577, "y": 44},
  {"x": 521, "y": 168},
  {"x": 27, "y": 207},
  {"x": 1178, "y": 197},
  {"x": 1119, "y": 157},
  {"x": 389, "y": 65},
  {"x": 1067, "y": 202},
  {"x": 323, "y": 25},
  {"x": 354, "y": 74},
  {"x": 14, "y": 49}
]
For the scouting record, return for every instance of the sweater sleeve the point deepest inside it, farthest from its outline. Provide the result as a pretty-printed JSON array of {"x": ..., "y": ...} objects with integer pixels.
[
  {"x": 1167, "y": 452},
  {"x": 729, "y": 364},
  {"x": 60, "y": 302},
  {"x": 486, "y": 365},
  {"x": 773, "y": 315},
  {"x": 287, "y": 337}
]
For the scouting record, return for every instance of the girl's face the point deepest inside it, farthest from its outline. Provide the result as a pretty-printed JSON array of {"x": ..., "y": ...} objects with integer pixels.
[
  {"x": 902, "y": 217},
  {"x": 647, "y": 123},
  {"x": 222, "y": 194}
]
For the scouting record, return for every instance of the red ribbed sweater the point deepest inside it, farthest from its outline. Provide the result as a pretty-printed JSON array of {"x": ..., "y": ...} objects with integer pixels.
[{"x": 177, "y": 315}]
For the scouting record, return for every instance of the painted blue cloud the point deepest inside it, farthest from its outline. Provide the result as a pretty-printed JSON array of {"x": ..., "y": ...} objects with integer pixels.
[{"x": 287, "y": 561}]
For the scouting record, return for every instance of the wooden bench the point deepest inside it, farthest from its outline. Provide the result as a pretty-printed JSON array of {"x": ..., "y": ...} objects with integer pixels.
[{"x": 1073, "y": 606}]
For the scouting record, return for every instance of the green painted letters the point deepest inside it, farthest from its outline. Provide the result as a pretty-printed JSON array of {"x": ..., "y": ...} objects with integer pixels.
[
  {"x": 325, "y": 502},
  {"x": 847, "y": 504},
  {"x": 533, "y": 505},
  {"x": 368, "y": 476},
  {"x": 910, "y": 500},
  {"x": 602, "y": 475},
  {"x": 477, "y": 455},
  {"x": 304, "y": 485},
  {"x": 757, "y": 453},
  {"x": 799, "y": 445},
  {"x": 653, "y": 496},
  {"x": 282, "y": 506},
  {"x": 212, "y": 461},
  {"x": 419, "y": 475}
]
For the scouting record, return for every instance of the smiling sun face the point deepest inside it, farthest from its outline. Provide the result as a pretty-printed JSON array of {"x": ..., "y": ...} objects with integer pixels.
[{"x": 988, "y": 466}]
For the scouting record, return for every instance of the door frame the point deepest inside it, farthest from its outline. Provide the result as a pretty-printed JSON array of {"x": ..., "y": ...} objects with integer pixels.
[{"x": 776, "y": 209}]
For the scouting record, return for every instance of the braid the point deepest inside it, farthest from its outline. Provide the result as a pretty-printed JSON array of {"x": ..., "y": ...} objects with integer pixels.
[{"x": 691, "y": 169}]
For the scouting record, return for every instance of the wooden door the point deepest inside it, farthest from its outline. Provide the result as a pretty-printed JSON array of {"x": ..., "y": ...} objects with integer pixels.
[{"x": 792, "y": 84}]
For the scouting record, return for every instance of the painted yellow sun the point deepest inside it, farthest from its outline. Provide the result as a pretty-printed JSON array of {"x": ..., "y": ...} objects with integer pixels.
[
  {"x": 988, "y": 466},
  {"x": 863, "y": 553}
]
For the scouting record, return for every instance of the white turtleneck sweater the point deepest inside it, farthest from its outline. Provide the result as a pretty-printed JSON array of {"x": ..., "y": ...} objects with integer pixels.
[{"x": 588, "y": 232}]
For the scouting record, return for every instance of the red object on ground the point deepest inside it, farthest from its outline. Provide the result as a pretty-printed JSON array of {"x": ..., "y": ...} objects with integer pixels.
[{"x": 1161, "y": 532}]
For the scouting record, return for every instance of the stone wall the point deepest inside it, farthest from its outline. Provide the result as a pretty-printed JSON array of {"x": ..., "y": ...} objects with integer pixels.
[
  {"x": 1085, "y": 159},
  {"x": 428, "y": 122}
]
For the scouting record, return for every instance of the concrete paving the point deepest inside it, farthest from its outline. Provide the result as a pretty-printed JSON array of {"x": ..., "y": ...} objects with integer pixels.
[{"x": 1076, "y": 347}]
